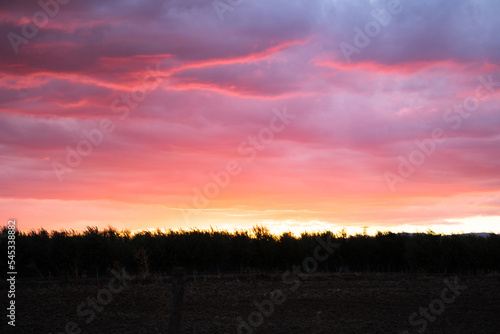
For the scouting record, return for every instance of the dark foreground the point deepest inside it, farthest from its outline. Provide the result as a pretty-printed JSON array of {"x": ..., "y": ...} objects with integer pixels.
[{"x": 345, "y": 303}]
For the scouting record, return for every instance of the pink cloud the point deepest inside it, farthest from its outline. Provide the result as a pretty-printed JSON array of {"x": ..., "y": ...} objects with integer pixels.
[{"x": 220, "y": 82}]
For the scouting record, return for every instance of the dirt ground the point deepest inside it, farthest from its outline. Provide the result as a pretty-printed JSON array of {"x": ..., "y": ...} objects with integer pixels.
[{"x": 339, "y": 303}]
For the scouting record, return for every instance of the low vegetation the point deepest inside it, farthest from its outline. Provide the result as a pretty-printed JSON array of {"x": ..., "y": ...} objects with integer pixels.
[{"x": 93, "y": 253}]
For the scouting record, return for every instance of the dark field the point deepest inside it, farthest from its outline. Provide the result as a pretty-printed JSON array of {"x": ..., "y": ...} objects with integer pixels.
[{"x": 338, "y": 303}]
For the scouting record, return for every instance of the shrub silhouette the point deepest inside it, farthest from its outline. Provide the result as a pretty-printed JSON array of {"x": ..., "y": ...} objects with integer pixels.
[{"x": 93, "y": 252}]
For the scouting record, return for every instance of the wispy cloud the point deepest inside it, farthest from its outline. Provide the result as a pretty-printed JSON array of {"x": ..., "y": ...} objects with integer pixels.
[{"x": 220, "y": 80}]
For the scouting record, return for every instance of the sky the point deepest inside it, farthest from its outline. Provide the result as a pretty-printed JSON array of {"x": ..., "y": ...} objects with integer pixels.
[{"x": 299, "y": 115}]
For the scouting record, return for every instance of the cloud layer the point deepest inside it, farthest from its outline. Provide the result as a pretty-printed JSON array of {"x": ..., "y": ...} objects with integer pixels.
[{"x": 155, "y": 113}]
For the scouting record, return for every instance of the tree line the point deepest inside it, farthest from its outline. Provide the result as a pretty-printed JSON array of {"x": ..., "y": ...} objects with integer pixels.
[{"x": 93, "y": 253}]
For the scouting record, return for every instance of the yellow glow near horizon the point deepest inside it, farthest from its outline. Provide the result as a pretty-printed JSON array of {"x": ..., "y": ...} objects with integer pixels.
[{"x": 478, "y": 224}]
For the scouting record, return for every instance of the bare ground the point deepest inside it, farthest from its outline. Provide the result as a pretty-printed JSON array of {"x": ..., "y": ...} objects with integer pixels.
[{"x": 339, "y": 303}]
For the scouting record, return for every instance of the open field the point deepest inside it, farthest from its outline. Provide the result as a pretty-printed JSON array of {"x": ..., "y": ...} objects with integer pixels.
[{"x": 320, "y": 303}]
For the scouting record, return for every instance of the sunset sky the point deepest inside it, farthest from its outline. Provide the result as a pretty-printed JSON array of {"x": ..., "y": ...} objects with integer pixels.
[{"x": 295, "y": 114}]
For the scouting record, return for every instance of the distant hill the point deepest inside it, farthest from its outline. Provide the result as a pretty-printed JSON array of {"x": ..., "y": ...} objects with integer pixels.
[
  {"x": 481, "y": 234},
  {"x": 478, "y": 234}
]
